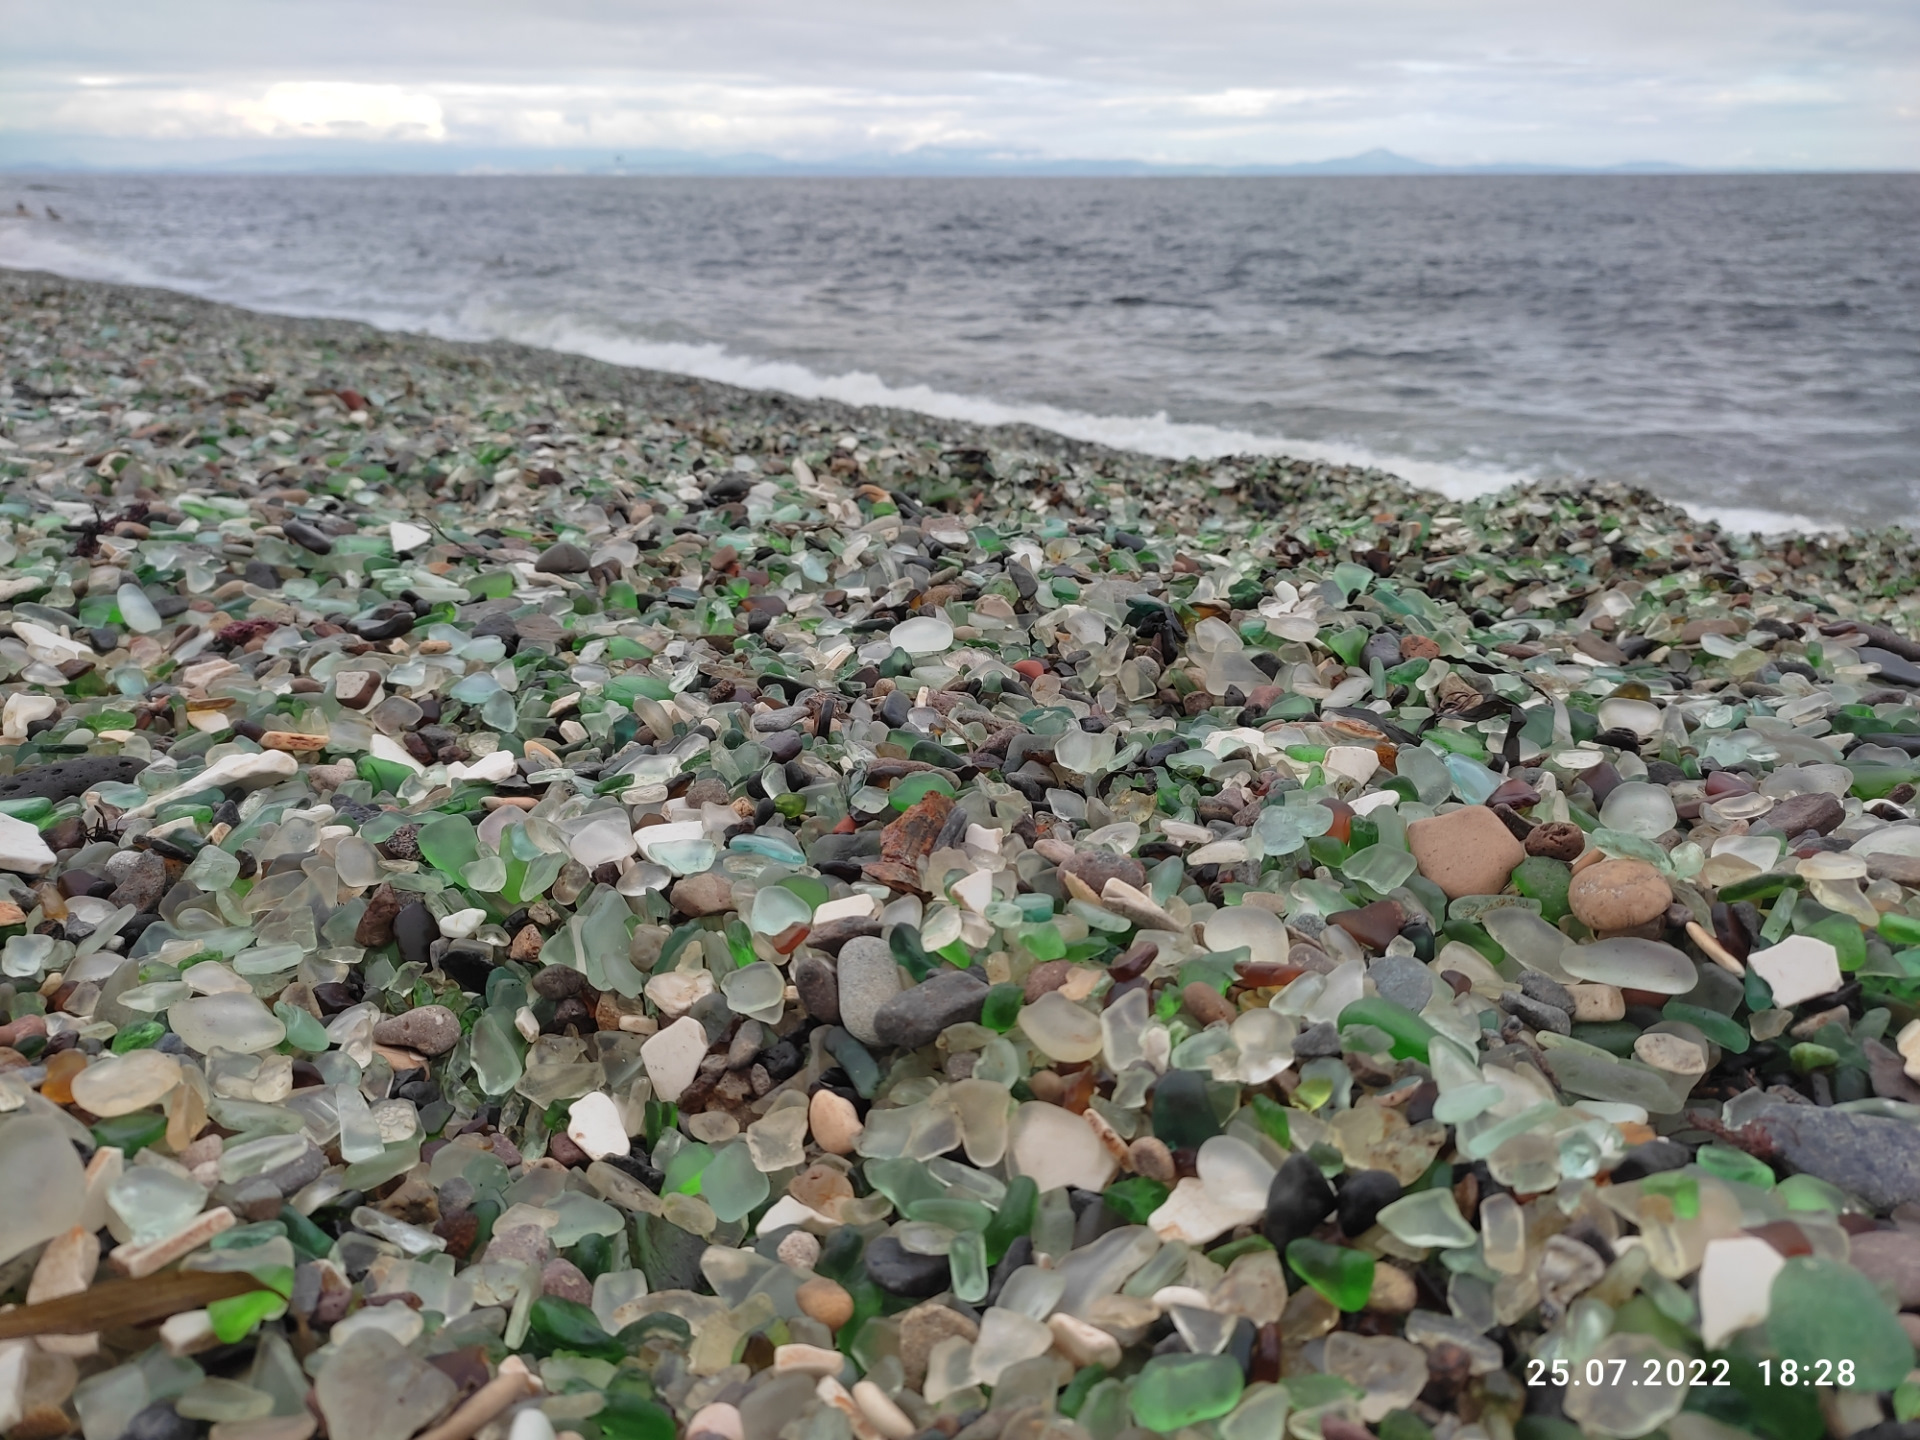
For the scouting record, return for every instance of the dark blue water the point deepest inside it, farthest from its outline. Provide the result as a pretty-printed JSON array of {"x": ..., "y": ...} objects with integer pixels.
[{"x": 1749, "y": 346}]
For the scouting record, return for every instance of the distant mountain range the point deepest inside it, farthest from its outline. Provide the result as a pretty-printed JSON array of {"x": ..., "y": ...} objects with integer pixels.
[{"x": 20, "y": 155}]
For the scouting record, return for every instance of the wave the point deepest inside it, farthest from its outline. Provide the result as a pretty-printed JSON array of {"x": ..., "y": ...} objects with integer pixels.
[{"x": 27, "y": 245}]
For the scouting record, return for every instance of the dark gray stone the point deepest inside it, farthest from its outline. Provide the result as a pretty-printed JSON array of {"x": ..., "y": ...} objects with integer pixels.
[
  {"x": 1363, "y": 1195},
  {"x": 414, "y": 931},
  {"x": 1866, "y": 1155},
  {"x": 143, "y": 884},
  {"x": 1297, "y": 1201},
  {"x": 916, "y": 1017},
  {"x": 565, "y": 558},
  {"x": 898, "y": 1271},
  {"x": 65, "y": 779},
  {"x": 1537, "y": 1014},
  {"x": 819, "y": 988},
  {"x": 1546, "y": 990},
  {"x": 1893, "y": 670}
]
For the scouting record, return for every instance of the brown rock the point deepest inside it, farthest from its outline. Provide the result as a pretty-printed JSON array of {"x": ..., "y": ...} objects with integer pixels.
[
  {"x": 526, "y": 945},
  {"x": 1151, "y": 1157},
  {"x": 1046, "y": 977},
  {"x": 1618, "y": 895},
  {"x": 1465, "y": 852},
  {"x": 1797, "y": 814},
  {"x": 1374, "y": 926},
  {"x": 563, "y": 1278},
  {"x": 1891, "y": 1258},
  {"x": 1206, "y": 1004},
  {"x": 355, "y": 689},
  {"x": 376, "y": 922},
  {"x": 292, "y": 741},
  {"x": 1093, "y": 868},
  {"x": 1418, "y": 647},
  {"x": 1557, "y": 840},
  {"x": 923, "y": 1327},
  {"x": 708, "y": 894},
  {"x": 143, "y": 884}
]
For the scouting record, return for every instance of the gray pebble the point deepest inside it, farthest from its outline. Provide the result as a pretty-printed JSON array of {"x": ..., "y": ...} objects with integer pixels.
[{"x": 869, "y": 978}]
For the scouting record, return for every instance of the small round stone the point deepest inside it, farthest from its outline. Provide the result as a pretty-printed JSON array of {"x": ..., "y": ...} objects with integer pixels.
[
  {"x": 799, "y": 1250},
  {"x": 1618, "y": 894},
  {"x": 826, "y": 1301},
  {"x": 834, "y": 1122}
]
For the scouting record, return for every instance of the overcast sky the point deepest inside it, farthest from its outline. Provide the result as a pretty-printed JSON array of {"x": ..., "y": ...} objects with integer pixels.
[{"x": 1816, "y": 83}]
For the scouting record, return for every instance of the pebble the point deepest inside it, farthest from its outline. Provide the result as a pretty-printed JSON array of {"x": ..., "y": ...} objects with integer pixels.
[
  {"x": 1297, "y": 1202},
  {"x": 1618, "y": 895},
  {"x": 1798, "y": 969},
  {"x": 825, "y": 1301},
  {"x": 673, "y": 1056},
  {"x": 430, "y": 1029},
  {"x": 835, "y": 1124},
  {"x": 1466, "y": 851},
  {"x": 899, "y": 1271},
  {"x": 869, "y": 977},
  {"x": 916, "y": 1016}
]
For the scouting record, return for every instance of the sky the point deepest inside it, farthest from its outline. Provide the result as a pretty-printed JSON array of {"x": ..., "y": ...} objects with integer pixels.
[{"x": 1817, "y": 84}]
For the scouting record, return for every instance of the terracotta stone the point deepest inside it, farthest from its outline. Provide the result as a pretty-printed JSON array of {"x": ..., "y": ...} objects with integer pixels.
[{"x": 1466, "y": 851}]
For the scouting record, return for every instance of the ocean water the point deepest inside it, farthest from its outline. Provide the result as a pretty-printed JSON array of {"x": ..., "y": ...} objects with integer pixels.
[{"x": 1748, "y": 346}]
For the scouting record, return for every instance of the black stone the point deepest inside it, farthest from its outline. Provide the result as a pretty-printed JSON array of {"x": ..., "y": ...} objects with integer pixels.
[
  {"x": 307, "y": 536},
  {"x": 1363, "y": 1195},
  {"x": 414, "y": 931},
  {"x": 1546, "y": 990},
  {"x": 1297, "y": 1201},
  {"x": 894, "y": 709},
  {"x": 1651, "y": 1158},
  {"x": 1183, "y": 1115},
  {"x": 469, "y": 969},
  {"x": 160, "y": 1421},
  {"x": 819, "y": 987},
  {"x": 65, "y": 779},
  {"x": 898, "y": 1271}
]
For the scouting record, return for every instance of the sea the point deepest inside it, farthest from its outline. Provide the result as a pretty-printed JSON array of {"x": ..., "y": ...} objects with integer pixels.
[{"x": 1745, "y": 345}]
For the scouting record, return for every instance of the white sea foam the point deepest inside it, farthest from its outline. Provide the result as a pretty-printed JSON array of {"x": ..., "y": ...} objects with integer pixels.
[{"x": 37, "y": 246}]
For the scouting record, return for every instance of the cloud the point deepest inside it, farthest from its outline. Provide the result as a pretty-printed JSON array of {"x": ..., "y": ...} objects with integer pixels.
[{"x": 1225, "y": 81}]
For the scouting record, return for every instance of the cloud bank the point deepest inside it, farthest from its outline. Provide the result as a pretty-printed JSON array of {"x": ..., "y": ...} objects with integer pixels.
[{"x": 1779, "y": 83}]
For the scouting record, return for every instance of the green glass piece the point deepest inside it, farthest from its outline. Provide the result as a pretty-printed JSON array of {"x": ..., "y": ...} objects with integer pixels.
[
  {"x": 1728, "y": 1034},
  {"x": 1343, "y": 1276},
  {"x": 954, "y": 1214},
  {"x": 862, "y": 1069},
  {"x": 1545, "y": 880},
  {"x": 557, "y": 1324},
  {"x": 1044, "y": 942},
  {"x": 383, "y": 775},
  {"x": 1825, "y": 1310},
  {"x": 731, "y": 1184},
  {"x": 1731, "y": 1164},
  {"x": 909, "y": 954},
  {"x": 634, "y": 1417},
  {"x": 1182, "y": 1110},
  {"x": 1174, "y": 1391},
  {"x": 910, "y": 791},
  {"x": 967, "y": 1266},
  {"x": 905, "y": 1182},
  {"x": 1348, "y": 644},
  {"x": 1900, "y": 929},
  {"x": 32, "y": 809},
  {"x": 1271, "y": 1116},
  {"x": 138, "y": 1037},
  {"x": 307, "y": 1237},
  {"x": 1231, "y": 1251},
  {"x": 1014, "y": 1218},
  {"x": 304, "y": 1030},
  {"x": 1844, "y": 934},
  {"x": 234, "y": 1317},
  {"x": 1808, "y": 1057},
  {"x": 1075, "y": 1395},
  {"x": 1411, "y": 1035},
  {"x": 130, "y": 1134},
  {"x": 685, "y": 1169},
  {"x": 1759, "y": 887},
  {"x": 1135, "y": 1198},
  {"x": 1002, "y": 1007}
]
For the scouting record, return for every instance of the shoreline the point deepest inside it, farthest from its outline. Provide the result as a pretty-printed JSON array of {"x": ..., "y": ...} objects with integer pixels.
[{"x": 672, "y": 392}]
